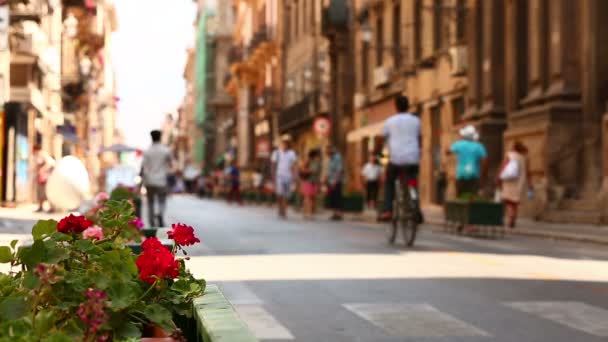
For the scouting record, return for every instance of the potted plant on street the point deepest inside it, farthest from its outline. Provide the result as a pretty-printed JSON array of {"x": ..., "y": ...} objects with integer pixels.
[
  {"x": 473, "y": 210},
  {"x": 80, "y": 282}
]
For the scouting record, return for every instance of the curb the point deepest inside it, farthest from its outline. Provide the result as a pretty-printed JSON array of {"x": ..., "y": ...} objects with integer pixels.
[{"x": 434, "y": 223}]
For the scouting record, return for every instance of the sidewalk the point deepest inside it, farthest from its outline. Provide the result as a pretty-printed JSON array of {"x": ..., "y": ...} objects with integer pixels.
[
  {"x": 525, "y": 227},
  {"x": 20, "y": 220}
]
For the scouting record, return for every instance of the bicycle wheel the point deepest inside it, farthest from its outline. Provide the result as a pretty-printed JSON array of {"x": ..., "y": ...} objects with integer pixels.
[
  {"x": 409, "y": 223},
  {"x": 393, "y": 228},
  {"x": 409, "y": 228}
]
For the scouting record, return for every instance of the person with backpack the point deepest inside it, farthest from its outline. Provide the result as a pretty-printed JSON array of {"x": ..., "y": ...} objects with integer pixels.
[{"x": 513, "y": 178}]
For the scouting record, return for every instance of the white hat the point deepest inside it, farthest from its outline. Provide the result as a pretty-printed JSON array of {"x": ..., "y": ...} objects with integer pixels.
[{"x": 469, "y": 132}]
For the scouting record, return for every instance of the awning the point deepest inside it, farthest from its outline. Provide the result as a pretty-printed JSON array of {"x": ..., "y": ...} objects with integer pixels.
[{"x": 365, "y": 132}]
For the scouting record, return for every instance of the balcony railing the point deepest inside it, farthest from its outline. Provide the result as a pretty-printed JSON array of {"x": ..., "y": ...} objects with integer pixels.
[{"x": 300, "y": 112}]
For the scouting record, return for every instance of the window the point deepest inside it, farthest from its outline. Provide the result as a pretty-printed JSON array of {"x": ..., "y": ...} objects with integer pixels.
[
  {"x": 365, "y": 66},
  {"x": 438, "y": 34},
  {"x": 305, "y": 18},
  {"x": 19, "y": 75},
  {"x": 417, "y": 29},
  {"x": 461, "y": 22},
  {"x": 379, "y": 39},
  {"x": 296, "y": 12},
  {"x": 458, "y": 109},
  {"x": 397, "y": 53}
]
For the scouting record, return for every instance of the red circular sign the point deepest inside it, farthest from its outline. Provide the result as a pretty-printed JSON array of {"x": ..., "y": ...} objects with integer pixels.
[{"x": 322, "y": 126}]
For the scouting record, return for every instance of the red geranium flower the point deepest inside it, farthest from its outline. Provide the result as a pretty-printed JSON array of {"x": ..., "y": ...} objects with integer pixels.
[
  {"x": 73, "y": 224},
  {"x": 182, "y": 234},
  {"x": 156, "y": 262},
  {"x": 151, "y": 243}
]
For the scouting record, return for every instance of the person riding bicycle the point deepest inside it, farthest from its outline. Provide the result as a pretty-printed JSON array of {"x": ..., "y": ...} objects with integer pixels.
[{"x": 402, "y": 134}]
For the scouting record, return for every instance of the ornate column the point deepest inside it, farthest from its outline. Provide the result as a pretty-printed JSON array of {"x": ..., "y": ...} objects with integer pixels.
[
  {"x": 564, "y": 32},
  {"x": 493, "y": 58},
  {"x": 537, "y": 50},
  {"x": 474, "y": 57}
]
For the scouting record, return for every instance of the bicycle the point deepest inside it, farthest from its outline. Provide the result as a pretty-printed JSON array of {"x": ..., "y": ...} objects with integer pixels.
[{"x": 406, "y": 210}]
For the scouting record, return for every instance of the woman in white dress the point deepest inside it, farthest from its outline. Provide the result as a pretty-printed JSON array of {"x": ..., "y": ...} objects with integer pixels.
[{"x": 514, "y": 185}]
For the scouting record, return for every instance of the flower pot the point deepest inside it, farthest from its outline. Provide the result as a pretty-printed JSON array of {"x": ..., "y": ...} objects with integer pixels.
[{"x": 156, "y": 334}]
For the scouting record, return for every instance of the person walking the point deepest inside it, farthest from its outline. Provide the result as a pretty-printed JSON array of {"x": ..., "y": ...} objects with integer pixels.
[
  {"x": 334, "y": 181},
  {"x": 44, "y": 167},
  {"x": 471, "y": 162},
  {"x": 284, "y": 170},
  {"x": 155, "y": 170},
  {"x": 310, "y": 177},
  {"x": 371, "y": 177},
  {"x": 513, "y": 178},
  {"x": 402, "y": 134},
  {"x": 234, "y": 183}
]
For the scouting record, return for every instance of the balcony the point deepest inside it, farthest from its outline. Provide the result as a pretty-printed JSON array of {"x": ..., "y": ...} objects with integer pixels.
[
  {"x": 299, "y": 113},
  {"x": 26, "y": 10},
  {"x": 30, "y": 95}
]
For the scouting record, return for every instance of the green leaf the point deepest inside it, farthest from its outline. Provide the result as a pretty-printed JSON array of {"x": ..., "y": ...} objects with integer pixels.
[
  {"x": 44, "y": 228},
  {"x": 44, "y": 322},
  {"x": 14, "y": 243},
  {"x": 55, "y": 255},
  {"x": 122, "y": 295},
  {"x": 34, "y": 254},
  {"x": 160, "y": 316},
  {"x": 73, "y": 328},
  {"x": 101, "y": 280},
  {"x": 6, "y": 255},
  {"x": 58, "y": 237},
  {"x": 13, "y": 308},
  {"x": 30, "y": 281},
  {"x": 57, "y": 337},
  {"x": 84, "y": 245},
  {"x": 128, "y": 330}
]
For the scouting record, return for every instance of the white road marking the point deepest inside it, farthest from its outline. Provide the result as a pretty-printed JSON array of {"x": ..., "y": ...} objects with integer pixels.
[
  {"x": 239, "y": 293},
  {"x": 575, "y": 315},
  {"x": 263, "y": 325},
  {"x": 414, "y": 320}
]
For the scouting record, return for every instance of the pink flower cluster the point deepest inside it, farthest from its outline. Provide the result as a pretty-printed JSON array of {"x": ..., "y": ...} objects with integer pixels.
[
  {"x": 94, "y": 233},
  {"x": 137, "y": 223},
  {"x": 92, "y": 312}
]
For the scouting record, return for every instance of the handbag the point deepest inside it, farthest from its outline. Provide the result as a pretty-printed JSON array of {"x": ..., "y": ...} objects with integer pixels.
[{"x": 510, "y": 171}]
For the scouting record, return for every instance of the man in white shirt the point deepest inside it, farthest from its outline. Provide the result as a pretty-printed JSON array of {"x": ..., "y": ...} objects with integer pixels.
[
  {"x": 155, "y": 169},
  {"x": 402, "y": 133},
  {"x": 284, "y": 165}
]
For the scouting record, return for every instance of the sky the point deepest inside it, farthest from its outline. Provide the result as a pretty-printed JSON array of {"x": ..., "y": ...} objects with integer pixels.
[{"x": 149, "y": 55}]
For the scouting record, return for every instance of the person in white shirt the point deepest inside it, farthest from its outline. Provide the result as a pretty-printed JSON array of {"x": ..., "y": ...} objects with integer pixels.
[
  {"x": 155, "y": 170},
  {"x": 284, "y": 170},
  {"x": 402, "y": 134},
  {"x": 371, "y": 176}
]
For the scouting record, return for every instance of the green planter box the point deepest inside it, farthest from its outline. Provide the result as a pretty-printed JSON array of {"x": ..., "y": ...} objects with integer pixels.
[
  {"x": 353, "y": 203},
  {"x": 149, "y": 232},
  {"x": 216, "y": 319},
  {"x": 474, "y": 213}
]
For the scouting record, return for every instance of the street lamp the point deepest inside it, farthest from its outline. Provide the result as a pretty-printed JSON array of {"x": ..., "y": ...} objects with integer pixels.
[{"x": 71, "y": 26}]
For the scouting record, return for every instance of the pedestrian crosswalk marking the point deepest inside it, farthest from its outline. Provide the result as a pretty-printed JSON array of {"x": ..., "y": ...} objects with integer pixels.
[
  {"x": 263, "y": 325},
  {"x": 575, "y": 315},
  {"x": 239, "y": 293},
  {"x": 414, "y": 320}
]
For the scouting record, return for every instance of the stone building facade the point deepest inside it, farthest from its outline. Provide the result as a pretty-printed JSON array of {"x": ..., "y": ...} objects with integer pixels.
[{"x": 526, "y": 70}]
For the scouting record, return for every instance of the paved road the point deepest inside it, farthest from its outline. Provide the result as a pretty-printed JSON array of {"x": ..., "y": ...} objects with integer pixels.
[{"x": 324, "y": 281}]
